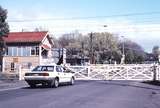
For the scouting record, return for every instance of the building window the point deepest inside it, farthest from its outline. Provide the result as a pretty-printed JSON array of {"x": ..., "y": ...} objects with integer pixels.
[
  {"x": 26, "y": 51},
  {"x": 37, "y": 50},
  {"x": 10, "y": 51},
  {"x": 19, "y": 51},
  {"x": 34, "y": 50},
  {"x": 22, "y": 51},
  {"x": 14, "y": 51}
]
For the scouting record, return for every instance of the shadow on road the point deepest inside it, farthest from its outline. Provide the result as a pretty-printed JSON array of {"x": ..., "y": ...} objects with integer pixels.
[
  {"x": 132, "y": 84},
  {"x": 77, "y": 82},
  {"x": 45, "y": 87}
]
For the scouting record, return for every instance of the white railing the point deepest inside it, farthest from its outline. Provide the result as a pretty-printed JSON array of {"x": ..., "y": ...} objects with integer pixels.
[
  {"x": 113, "y": 72},
  {"x": 116, "y": 72}
]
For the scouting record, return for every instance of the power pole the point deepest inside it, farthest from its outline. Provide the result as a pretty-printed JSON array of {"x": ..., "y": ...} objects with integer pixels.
[
  {"x": 91, "y": 49},
  {"x": 123, "y": 55}
]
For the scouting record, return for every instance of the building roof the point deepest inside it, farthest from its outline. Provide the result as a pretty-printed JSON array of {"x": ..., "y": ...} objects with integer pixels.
[
  {"x": 24, "y": 37},
  {"x": 46, "y": 47}
]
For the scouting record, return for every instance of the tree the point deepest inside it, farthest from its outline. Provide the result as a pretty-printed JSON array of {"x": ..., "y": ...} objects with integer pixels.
[
  {"x": 4, "y": 30},
  {"x": 134, "y": 53},
  {"x": 155, "y": 52},
  {"x": 105, "y": 46}
]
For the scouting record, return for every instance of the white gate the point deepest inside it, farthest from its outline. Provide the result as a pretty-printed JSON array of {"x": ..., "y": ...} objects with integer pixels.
[{"x": 117, "y": 72}]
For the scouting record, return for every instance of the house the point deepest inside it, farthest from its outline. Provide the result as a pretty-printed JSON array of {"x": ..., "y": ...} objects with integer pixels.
[{"x": 26, "y": 49}]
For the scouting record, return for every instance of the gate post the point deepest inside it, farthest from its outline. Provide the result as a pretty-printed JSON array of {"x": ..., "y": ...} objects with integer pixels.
[
  {"x": 89, "y": 70},
  {"x": 157, "y": 71},
  {"x": 20, "y": 72},
  {"x": 154, "y": 72}
]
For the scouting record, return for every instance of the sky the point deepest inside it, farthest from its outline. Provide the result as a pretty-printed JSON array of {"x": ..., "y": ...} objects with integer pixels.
[{"x": 137, "y": 20}]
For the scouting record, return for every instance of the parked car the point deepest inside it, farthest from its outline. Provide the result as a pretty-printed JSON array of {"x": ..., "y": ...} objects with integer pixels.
[{"x": 50, "y": 75}]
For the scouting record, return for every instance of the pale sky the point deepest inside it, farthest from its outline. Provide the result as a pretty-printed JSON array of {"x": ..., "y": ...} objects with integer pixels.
[{"x": 138, "y": 20}]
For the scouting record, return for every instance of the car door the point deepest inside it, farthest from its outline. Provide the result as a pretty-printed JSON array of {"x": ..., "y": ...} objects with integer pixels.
[
  {"x": 60, "y": 74},
  {"x": 67, "y": 75}
]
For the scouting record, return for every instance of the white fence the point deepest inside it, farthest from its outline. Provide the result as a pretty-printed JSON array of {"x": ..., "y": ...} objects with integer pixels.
[
  {"x": 112, "y": 72},
  {"x": 117, "y": 72}
]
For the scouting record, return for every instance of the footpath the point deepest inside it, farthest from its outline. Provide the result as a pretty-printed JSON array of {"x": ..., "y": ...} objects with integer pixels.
[{"x": 12, "y": 84}]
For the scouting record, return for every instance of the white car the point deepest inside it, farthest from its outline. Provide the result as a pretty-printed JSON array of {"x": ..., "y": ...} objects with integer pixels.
[{"x": 50, "y": 75}]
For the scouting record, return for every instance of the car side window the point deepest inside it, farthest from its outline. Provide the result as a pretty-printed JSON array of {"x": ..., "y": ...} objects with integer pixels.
[
  {"x": 38, "y": 68},
  {"x": 58, "y": 69},
  {"x": 50, "y": 68},
  {"x": 44, "y": 68}
]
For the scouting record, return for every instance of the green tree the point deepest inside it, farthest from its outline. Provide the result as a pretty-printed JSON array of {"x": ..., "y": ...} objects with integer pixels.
[
  {"x": 155, "y": 52},
  {"x": 106, "y": 45},
  {"x": 134, "y": 53},
  {"x": 4, "y": 30}
]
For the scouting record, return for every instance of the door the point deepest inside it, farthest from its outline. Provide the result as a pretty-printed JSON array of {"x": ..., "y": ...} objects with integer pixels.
[{"x": 60, "y": 74}]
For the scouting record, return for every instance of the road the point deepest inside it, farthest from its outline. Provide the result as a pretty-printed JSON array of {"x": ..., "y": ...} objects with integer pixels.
[{"x": 84, "y": 94}]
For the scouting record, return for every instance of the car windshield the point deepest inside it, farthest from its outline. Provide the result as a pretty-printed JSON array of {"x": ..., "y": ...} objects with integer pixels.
[{"x": 44, "y": 68}]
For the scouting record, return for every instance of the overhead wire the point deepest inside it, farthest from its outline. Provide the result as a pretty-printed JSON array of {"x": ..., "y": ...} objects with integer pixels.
[{"x": 78, "y": 18}]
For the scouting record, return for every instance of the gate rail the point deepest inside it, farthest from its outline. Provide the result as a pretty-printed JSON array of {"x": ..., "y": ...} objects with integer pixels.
[
  {"x": 140, "y": 72},
  {"x": 117, "y": 72}
]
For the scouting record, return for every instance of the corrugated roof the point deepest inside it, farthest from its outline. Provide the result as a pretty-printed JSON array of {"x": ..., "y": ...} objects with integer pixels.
[{"x": 16, "y": 37}]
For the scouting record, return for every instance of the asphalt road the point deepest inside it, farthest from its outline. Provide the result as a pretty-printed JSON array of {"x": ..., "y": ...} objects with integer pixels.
[{"x": 84, "y": 94}]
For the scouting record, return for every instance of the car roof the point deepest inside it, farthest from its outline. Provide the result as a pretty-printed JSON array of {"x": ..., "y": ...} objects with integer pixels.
[{"x": 49, "y": 65}]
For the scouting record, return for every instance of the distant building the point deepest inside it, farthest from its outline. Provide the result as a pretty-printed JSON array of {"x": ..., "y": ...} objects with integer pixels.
[{"x": 27, "y": 49}]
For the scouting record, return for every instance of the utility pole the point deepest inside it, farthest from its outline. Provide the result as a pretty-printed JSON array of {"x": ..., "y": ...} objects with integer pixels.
[
  {"x": 82, "y": 54},
  {"x": 91, "y": 49},
  {"x": 123, "y": 55}
]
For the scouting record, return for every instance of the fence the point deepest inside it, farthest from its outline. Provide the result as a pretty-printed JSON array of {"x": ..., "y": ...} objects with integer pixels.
[
  {"x": 117, "y": 72},
  {"x": 112, "y": 72}
]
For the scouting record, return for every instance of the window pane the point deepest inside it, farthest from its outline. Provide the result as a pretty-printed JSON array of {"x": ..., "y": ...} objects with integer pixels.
[
  {"x": 19, "y": 51},
  {"x": 9, "y": 51},
  {"x": 26, "y": 51},
  {"x": 23, "y": 51},
  {"x": 37, "y": 50},
  {"x": 58, "y": 69},
  {"x": 50, "y": 68},
  {"x": 14, "y": 51},
  {"x": 38, "y": 68},
  {"x": 33, "y": 50}
]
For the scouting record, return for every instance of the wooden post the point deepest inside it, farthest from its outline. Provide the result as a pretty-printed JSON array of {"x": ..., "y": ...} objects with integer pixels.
[
  {"x": 20, "y": 72},
  {"x": 154, "y": 72}
]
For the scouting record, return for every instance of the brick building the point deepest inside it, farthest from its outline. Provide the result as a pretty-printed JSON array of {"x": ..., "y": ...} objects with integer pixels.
[{"x": 26, "y": 49}]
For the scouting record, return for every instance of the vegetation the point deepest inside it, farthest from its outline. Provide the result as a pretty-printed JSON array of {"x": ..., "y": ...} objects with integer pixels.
[
  {"x": 134, "y": 53},
  {"x": 4, "y": 28},
  {"x": 155, "y": 52},
  {"x": 106, "y": 47}
]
